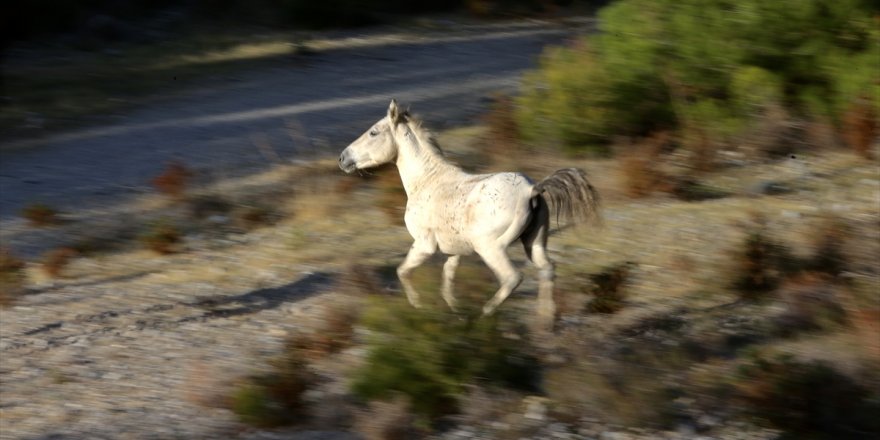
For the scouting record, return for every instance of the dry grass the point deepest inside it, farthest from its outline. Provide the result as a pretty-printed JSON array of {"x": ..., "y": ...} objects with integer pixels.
[
  {"x": 333, "y": 333},
  {"x": 860, "y": 127},
  {"x": 502, "y": 142},
  {"x": 640, "y": 167},
  {"x": 392, "y": 197},
  {"x": 387, "y": 420},
  {"x": 204, "y": 385},
  {"x": 770, "y": 134},
  {"x": 812, "y": 302},
  {"x": 866, "y": 324}
]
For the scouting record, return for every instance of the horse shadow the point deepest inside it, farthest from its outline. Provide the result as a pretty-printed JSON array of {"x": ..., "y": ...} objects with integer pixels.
[{"x": 221, "y": 306}]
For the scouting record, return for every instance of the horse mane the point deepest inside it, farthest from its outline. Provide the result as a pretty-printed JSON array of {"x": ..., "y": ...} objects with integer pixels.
[{"x": 423, "y": 134}]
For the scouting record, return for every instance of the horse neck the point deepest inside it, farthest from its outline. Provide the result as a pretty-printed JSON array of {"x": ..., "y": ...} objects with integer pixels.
[{"x": 419, "y": 163}]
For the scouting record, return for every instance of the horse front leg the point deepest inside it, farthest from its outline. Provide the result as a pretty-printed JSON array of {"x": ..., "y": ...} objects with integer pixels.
[
  {"x": 508, "y": 275},
  {"x": 448, "y": 274},
  {"x": 418, "y": 253}
]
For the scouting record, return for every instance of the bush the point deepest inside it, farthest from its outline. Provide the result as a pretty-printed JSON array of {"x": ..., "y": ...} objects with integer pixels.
[
  {"x": 334, "y": 334},
  {"x": 162, "y": 237},
  {"x": 555, "y": 107},
  {"x": 392, "y": 196},
  {"x": 640, "y": 167},
  {"x": 808, "y": 400},
  {"x": 761, "y": 264},
  {"x": 502, "y": 141},
  {"x": 56, "y": 260},
  {"x": 269, "y": 401},
  {"x": 174, "y": 180},
  {"x": 429, "y": 356},
  {"x": 691, "y": 190},
  {"x": 275, "y": 398},
  {"x": 812, "y": 302},
  {"x": 12, "y": 277},
  {"x": 39, "y": 214},
  {"x": 829, "y": 239},
  {"x": 608, "y": 288},
  {"x": 860, "y": 127},
  {"x": 706, "y": 69}
]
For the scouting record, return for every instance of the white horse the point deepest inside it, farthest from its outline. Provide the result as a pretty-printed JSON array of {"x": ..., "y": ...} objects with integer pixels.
[{"x": 460, "y": 213}]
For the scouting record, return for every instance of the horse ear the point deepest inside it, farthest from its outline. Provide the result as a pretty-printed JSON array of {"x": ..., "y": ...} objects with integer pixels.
[{"x": 393, "y": 112}]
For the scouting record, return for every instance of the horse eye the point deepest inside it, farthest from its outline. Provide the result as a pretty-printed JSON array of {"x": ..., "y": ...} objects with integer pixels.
[{"x": 374, "y": 132}]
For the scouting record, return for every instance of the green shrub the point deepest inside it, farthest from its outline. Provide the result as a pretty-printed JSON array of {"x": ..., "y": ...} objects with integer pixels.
[
  {"x": 753, "y": 89},
  {"x": 268, "y": 401},
  {"x": 704, "y": 68},
  {"x": 430, "y": 355},
  {"x": 162, "y": 237},
  {"x": 554, "y": 105}
]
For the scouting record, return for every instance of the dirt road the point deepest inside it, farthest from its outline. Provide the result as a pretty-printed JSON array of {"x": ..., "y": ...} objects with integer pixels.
[{"x": 309, "y": 106}]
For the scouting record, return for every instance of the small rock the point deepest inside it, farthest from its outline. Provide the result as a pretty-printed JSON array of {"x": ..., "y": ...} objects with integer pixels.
[
  {"x": 686, "y": 429},
  {"x": 536, "y": 408},
  {"x": 589, "y": 432},
  {"x": 558, "y": 427},
  {"x": 112, "y": 376},
  {"x": 707, "y": 422},
  {"x": 500, "y": 426},
  {"x": 790, "y": 214},
  {"x": 461, "y": 433},
  {"x": 555, "y": 360},
  {"x": 218, "y": 219}
]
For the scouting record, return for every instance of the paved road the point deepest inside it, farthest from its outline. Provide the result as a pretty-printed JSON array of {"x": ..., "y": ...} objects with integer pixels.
[{"x": 328, "y": 100}]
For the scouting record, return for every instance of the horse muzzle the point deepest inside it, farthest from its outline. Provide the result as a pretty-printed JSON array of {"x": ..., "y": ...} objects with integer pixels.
[{"x": 346, "y": 163}]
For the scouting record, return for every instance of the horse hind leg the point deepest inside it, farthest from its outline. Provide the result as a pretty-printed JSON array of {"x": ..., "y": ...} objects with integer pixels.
[
  {"x": 448, "y": 274},
  {"x": 534, "y": 240},
  {"x": 416, "y": 256},
  {"x": 508, "y": 275}
]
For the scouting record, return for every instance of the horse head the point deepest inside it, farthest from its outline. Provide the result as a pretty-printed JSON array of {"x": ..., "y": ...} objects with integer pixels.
[{"x": 377, "y": 146}]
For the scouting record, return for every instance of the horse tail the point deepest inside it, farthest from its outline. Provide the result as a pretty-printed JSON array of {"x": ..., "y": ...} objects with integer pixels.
[{"x": 571, "y": 196}]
